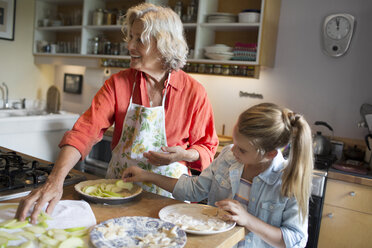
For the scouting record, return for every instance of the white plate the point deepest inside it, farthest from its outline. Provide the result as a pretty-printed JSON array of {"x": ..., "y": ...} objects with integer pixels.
[
  {"x": 182, "y": 213},
  {"x": 136, "y": 190},
  {"x": 135, "y": 226}
]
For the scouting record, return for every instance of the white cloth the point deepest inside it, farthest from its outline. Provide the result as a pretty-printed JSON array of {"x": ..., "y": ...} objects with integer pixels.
[{"x": 66, "y": 214}]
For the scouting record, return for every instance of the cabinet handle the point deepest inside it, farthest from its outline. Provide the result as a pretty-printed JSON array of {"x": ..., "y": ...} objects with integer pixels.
[
  {"x": 352, "y": 193},
  {"x": 330, "y": 215}
]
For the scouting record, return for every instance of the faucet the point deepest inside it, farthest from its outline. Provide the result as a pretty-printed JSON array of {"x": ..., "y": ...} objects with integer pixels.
[{"x": 5, "y": 99}]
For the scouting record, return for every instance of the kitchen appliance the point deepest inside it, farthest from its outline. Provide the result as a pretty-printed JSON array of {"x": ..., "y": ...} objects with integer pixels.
[
  {"x": 321, "y": 144},
  {"x": 316, "y": 206},
  {"x": 97, "y": 161},
  {"x": 20, "y": 173}
]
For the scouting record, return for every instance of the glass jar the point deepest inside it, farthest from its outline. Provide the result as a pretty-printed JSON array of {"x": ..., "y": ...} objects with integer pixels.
[
  {"x": 250, "y": 71},
  {"x": 94, "y": 45},
  {"x": 243, "y": 70},
  {"x": 193, "y": 68},
  {"x": 201, "y": 68},
  {"x": 107, "y": 47},
  {"x": 98, "y": 17},
  {"x": 178, "y": 8},
  {"x": 234, "y": 70},
  {"x": 209, "y": 69},
  {"x": 217, "y": 69},
  {"x": 225, "y": 70}
]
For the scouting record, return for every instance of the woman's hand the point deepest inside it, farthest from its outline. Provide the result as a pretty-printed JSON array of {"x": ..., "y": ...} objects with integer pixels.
[
  {"x": 238, "y": 213},
  {"x": 135, "y": 174},
  {"x": 170, "y": 155},
  {"x": 50, "y": 192}
]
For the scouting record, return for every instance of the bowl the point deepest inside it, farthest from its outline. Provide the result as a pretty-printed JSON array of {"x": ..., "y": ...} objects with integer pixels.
[
  {"x": 249, "y": 17},
  {"x": 220, "y": 56},
  {"x": 218, "y": 48}
]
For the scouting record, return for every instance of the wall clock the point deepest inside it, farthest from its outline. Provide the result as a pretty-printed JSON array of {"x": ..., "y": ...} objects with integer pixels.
[{"x": 337, "y": 33}]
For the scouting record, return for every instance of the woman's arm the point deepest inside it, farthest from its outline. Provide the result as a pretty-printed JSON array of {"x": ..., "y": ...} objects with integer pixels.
[{"x": 51, "y": 191}]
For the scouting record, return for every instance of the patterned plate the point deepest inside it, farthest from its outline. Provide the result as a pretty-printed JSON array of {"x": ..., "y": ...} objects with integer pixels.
[{"x": 133, "y": 227}]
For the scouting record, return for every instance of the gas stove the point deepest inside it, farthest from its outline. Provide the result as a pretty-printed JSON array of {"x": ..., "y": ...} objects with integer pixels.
[{"x": 20, "y": 173}]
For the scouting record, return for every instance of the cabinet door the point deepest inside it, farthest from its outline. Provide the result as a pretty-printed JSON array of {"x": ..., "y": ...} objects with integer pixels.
[{"x": 344, "y": 228}]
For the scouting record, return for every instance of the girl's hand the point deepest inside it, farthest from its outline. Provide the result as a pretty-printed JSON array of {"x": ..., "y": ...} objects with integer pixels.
[
  {"x": 238, "y": 213},
  {"x": 135, "y": 174}
]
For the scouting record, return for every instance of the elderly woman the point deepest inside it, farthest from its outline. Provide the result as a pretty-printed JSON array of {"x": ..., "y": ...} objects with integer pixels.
[{"x": 163, "y": 119}]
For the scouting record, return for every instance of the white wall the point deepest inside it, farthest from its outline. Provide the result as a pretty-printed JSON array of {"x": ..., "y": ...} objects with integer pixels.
[
  {"x": 17, "y": 68},
  {"x": 303, "y": 79}
]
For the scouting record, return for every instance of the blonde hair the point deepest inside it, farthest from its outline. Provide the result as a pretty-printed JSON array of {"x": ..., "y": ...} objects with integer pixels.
[
  {"x": 165, "y": 26},
  {"x": 270, "y": 127}
]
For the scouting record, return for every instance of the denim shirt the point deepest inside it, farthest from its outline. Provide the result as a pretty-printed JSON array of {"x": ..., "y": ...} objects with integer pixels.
[{"x": 221, "y": 181}]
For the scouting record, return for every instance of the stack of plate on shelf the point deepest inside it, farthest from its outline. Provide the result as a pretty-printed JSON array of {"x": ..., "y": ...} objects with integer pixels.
[
  {"x": 221, "y": 17},
  {"x": 219, "y": 52}
]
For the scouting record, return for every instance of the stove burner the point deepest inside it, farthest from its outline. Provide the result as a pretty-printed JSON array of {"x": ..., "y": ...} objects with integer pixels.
[
  {"x": 323, "y": 162},
  {"x": 20, "y": 174}
]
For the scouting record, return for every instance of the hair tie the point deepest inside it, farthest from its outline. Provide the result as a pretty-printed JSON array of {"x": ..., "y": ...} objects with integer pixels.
[{"x": 293, "y": 118}]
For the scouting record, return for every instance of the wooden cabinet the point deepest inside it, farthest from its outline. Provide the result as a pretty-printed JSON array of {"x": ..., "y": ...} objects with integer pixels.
[
  {"x": 347, "y": 215},
  {"x": 73, "y": 36}
]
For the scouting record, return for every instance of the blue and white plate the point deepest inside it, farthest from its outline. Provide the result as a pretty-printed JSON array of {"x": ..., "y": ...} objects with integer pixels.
[{"x": 135, "y": 226}]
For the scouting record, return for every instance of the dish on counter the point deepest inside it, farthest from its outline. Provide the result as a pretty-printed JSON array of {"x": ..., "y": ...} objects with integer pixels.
[
  {"x": 196, "y": 218},
  {"x": 132, "y": 193},
  {"x": 130, "y": 231}
]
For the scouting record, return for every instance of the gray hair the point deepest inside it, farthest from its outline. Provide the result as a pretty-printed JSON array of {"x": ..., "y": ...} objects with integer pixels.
[{"x": 165, "y": 26}]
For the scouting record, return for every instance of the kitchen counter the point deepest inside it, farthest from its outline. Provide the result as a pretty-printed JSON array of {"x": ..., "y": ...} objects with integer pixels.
[
  {"x": 149, "y": 204},
  {"x": 350, "y": 177}
]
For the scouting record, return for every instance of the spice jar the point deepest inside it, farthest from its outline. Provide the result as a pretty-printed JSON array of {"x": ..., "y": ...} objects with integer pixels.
[
  {"x": 217, "y": 69},
  {"x": 209, "y": 69},
  {"x": 201, "y": 68},
  {"x": 234, "y": 70},
  {"x": 98, "y": 17},
  {"x": 193, "y": 68},
  {"x": 225, "y": 70},
  {"x": 243, "y": 70},
  {"x": 107, "y": 47},
  {"x": 250, "y": 71},
  {"x": 94, "y": 45}
]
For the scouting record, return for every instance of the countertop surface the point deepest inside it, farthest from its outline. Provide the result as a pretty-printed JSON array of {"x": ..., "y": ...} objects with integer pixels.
[
  {"x": 350, "y": 177},
  {"x": 148, "y": 204}
]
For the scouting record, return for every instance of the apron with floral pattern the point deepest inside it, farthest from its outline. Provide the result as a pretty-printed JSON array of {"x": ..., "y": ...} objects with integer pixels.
[{"x": 143, "y": 131}]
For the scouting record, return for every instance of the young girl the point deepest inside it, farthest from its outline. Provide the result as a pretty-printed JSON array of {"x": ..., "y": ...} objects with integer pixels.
[{"x": 252, "y": 181}]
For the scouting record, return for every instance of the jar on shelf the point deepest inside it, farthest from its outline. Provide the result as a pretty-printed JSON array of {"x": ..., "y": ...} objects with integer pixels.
[
  {"x": 217, "y": 69},
  {"x": 209, "y": 69},
  {"x": 115, "y": 50},
  {"x": 186, "y": 68},
  {"x": 234, "y": 70},
  {"x": 98, "y": 16},
  {"x": 95, "y": 45},
  {"x": 178, "y": 8},
  {"x": 193, "y": 67},
  {"x": 120, "y": 17},
  {"x": 250, "y": 71},
  {"x": 201, "y": 68},
  {"x": 243, "y": 70},
  {"x": 225, "y": 70},
  {"x": 107, "y": 47}
]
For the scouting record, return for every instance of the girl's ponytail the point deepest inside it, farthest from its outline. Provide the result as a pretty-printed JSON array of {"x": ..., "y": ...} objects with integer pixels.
[{"x": 296, "y": 180}]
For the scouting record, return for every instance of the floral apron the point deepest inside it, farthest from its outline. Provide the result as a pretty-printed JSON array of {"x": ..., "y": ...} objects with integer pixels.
[{"x": 143, "y": 131}]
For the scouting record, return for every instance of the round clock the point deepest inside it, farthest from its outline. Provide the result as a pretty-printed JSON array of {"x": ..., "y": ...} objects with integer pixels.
[{"x": 337, "y": 33}]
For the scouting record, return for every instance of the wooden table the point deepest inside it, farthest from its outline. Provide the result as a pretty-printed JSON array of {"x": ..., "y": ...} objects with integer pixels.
[{"x": 149, "y": 204}]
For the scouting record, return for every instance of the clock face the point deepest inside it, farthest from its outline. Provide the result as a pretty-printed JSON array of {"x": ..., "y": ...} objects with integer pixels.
[{"x": 338, "y": 27}]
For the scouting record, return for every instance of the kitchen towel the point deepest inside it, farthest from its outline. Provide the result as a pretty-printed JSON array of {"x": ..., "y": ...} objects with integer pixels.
[{"x": 66, "y": 214}]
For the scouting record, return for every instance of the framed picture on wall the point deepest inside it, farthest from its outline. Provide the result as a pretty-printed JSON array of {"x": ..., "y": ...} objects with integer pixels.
[
  {"x": 73, "y": 83},
  {"x": 7, "y": 19}
]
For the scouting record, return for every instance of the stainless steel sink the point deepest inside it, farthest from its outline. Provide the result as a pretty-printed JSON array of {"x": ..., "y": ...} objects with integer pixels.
[{"x": 4, "y": 113}]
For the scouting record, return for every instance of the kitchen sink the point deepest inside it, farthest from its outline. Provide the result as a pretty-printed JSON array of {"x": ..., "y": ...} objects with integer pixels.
[{"x": 4, "y": 113}]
